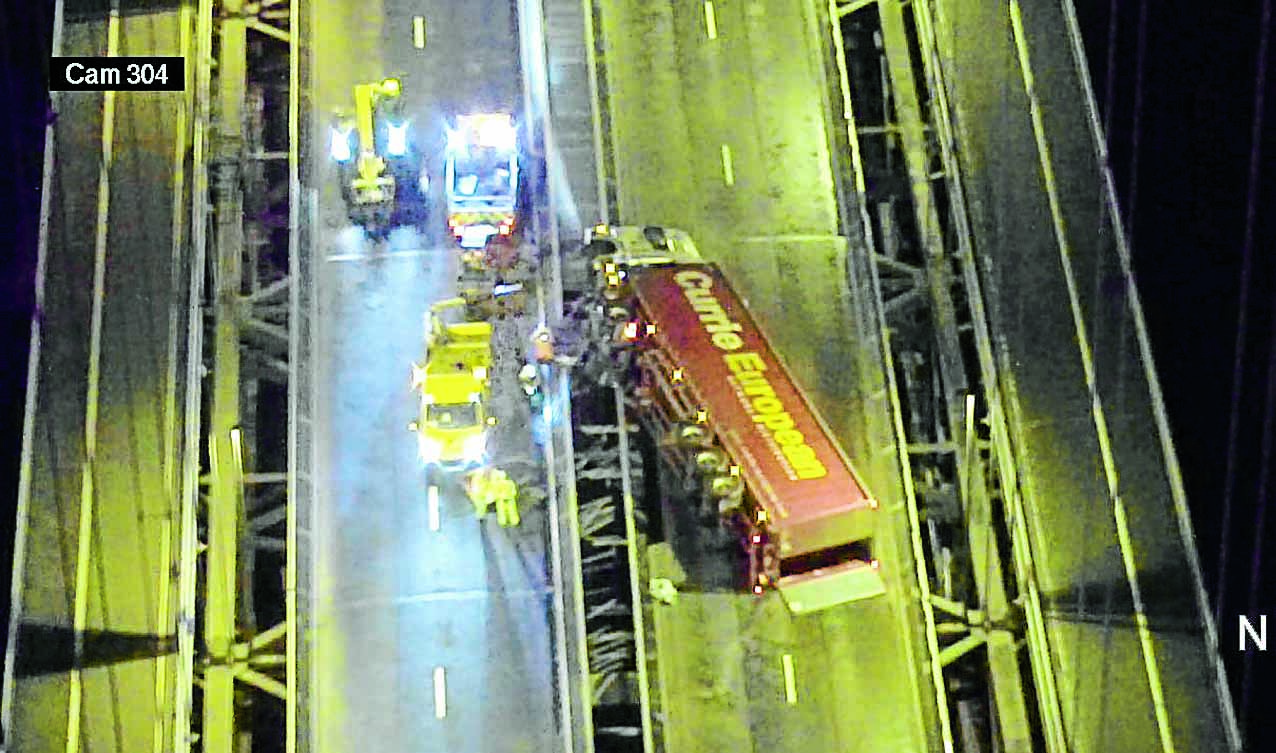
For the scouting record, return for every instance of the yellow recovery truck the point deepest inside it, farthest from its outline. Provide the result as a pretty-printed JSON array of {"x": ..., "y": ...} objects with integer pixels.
[{"x": 454, "y": 387}]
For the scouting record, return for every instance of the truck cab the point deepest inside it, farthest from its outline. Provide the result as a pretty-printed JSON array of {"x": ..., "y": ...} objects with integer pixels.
[{"x": 638, "y": 246}]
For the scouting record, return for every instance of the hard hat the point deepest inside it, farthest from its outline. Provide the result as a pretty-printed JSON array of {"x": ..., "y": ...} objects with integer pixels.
[{"x": 542, "y": 344}]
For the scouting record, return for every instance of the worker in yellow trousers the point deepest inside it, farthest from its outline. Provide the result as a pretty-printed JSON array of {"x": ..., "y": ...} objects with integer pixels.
[
  {"x": 505, "y": 496},
  {"x": 490, "y": 487},
  {"x": 476, "y": 488}
]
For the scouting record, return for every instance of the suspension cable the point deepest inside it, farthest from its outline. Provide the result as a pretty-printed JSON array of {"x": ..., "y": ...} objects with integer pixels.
[
  {"x": 1242, "y": 312},
  {"x": 1260, "y": 512},
  {"x": 1136, "y": 125},
  {"x": 1109, "y": 85}
]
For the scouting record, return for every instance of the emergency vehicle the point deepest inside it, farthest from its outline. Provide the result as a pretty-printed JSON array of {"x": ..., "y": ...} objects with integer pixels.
[
  {"x": 481, "y": 177},
  {"x": 454, "y": 387},
  {"x": 730, "y": 419}
]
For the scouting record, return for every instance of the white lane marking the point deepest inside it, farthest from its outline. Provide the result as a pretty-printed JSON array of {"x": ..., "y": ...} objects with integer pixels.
[
  {"x": 791, "y": 238},
  {"x": 728, "y": 174},
  {"x": 440, "y": 693},
  {"x": 790, "y": 679},
  {"x": 474, "y": 594},
  {"x": 418, "y": 32},
  {"x": 382, "y": 255},
  {"x": 433, "y": 503},
  {"x": 710, "y": 21}
]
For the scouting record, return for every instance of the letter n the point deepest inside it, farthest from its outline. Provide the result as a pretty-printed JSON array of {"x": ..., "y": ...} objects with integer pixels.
[{"x": 1247, "y": 628}]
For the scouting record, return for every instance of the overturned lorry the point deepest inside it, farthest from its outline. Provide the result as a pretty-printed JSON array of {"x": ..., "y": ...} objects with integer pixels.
[{"x": 725, "y": 410}]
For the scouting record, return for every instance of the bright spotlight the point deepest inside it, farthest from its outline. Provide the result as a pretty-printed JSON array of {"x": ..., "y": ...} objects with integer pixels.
[
  {"x": 496, "y": 133},
  {"x": 339, "y": 146},
  {"x": 398, "y": 141}
]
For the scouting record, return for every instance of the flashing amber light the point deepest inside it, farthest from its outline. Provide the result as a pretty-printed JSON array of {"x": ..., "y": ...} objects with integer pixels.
[
  {"x": 631, "y": 331},
  {"x": 761, "y": 516},
  {"x": 677, "y": 375},
  {"x": 735, "y": 470},
  {"x": 757, "y": 538},
  {"x": 601, "y": 229},
  {"x": 702, "y": 416},
  {"x": 651, "y": 329},
  {"x": 757, "y": 590}
]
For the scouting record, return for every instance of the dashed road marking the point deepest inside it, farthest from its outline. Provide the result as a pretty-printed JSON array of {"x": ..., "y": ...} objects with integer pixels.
[
  {"x": 432, "y": 496},
  {"x": 418, "y": 32},
  {"x": 790, "y": 679},
  {"x": 440, "y": 693},
  {"x": 728, "y": 173}
]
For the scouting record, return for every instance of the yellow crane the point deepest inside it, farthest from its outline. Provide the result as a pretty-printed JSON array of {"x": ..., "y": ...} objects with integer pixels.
[{"x": 368, "y": 185}]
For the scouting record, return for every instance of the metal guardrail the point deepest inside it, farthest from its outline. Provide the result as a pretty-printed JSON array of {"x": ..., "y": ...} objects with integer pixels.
[
  {"x": 1174, "y": 479},
  {"x": 571, "y": 660},
  {"x": 302, "y": 305}
]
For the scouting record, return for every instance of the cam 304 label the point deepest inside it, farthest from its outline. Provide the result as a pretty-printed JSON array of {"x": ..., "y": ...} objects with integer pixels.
[{"x": 132, "y": 74}]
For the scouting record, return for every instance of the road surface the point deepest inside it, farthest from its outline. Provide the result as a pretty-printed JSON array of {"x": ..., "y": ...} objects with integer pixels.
[
  {"x": 426, "y": 640},
  {"x": 725, "y": 138}
]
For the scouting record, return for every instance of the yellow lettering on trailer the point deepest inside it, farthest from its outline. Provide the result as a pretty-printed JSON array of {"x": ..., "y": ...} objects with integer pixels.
[{"x": 757, "y": 394}]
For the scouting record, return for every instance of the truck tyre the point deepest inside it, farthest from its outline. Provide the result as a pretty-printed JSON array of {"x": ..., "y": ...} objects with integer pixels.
[
  {"x": 729, "y": 491},
  {"x": 693, "y": 435},
  {"x": 711, "y": 461}
]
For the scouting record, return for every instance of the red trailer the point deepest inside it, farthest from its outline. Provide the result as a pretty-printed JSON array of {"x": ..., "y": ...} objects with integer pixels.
[{"x": 730, "y": 410}]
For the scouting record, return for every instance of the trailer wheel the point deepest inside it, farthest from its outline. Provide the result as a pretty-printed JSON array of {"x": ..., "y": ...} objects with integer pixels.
[
  {"x": 711, "y": 460},
  {"x": 729, "y": 492},
  {"x": 693, "y": 435}
]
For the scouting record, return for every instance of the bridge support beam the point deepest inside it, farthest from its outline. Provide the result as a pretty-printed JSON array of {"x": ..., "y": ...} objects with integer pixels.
[{"x": 225, "y": 498}]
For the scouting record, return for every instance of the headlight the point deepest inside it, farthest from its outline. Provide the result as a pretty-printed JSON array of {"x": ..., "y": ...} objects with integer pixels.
[
  {"x": 474, "y": 448},
  {"x": 431, "y": 449},
  {"x": 496, "y": 132},
  {"x": 397, "y": 144},
  {"x": 391, "y": 87},
  {"x": 339, "y": 145}
]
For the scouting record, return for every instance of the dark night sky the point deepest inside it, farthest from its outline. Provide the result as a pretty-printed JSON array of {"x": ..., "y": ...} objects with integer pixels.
[{"x": 1188, "y": 228}]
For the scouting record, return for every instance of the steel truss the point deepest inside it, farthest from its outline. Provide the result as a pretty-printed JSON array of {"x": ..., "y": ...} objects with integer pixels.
[
  {"x": 254, "y": 407},
  {"x": 978, "y": 594},
  {"x": 612, "y": 542}
]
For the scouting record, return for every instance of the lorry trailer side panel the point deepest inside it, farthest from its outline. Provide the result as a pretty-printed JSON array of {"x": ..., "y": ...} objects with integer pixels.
[{"x": 788, "y": 461}]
